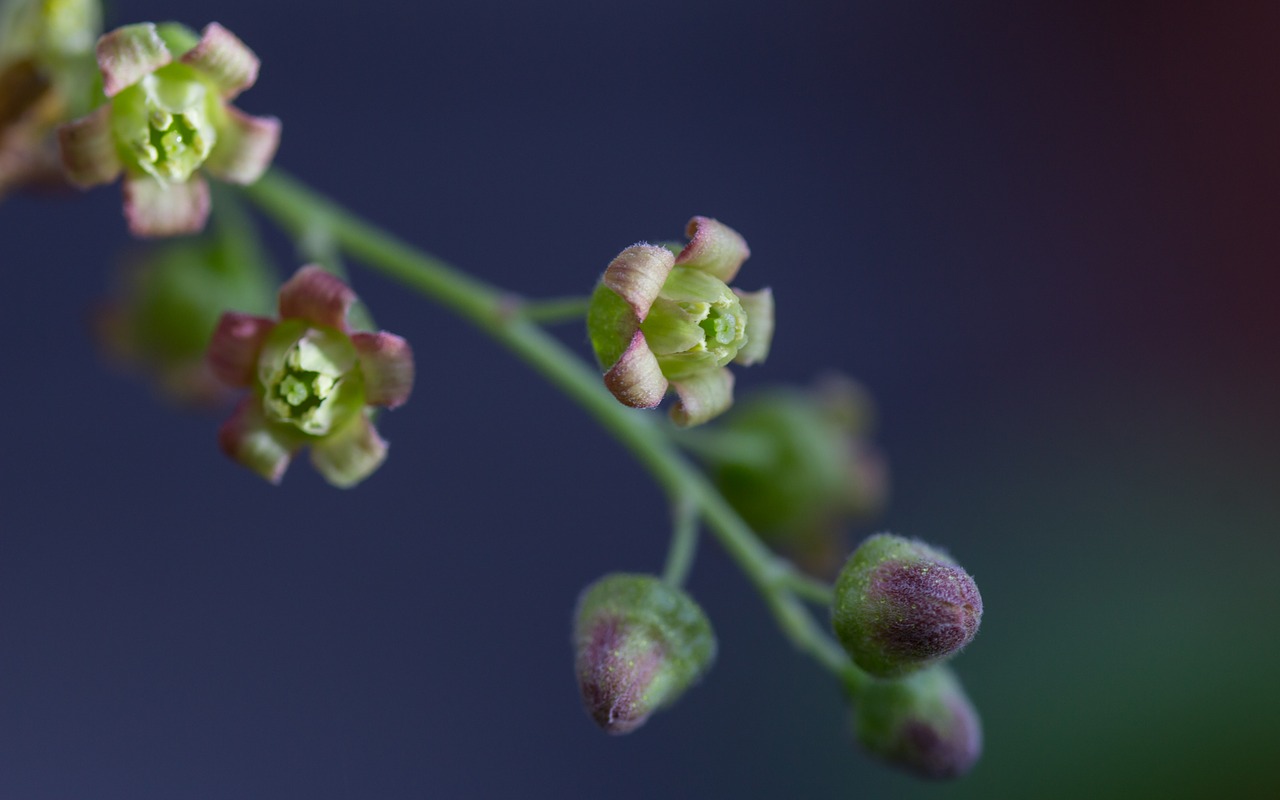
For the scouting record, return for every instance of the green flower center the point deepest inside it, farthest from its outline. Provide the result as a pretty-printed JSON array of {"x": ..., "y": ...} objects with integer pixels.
[
  {"x": 162, "y": 123},
  {"x": 310, "y": 378},
  {"x": 697, "y": 323}
]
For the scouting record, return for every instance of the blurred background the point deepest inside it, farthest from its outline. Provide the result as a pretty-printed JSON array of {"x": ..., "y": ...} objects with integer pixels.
[{"x": 1044, "y": 238}]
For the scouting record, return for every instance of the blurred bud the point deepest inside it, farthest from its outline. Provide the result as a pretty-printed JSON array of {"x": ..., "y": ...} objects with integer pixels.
[
  {"x": 660, "y": 321},
  {"x": 165, "y": 308},
  {"x": 46, "y": 75},
  {"x": 168, "y": 119},
  {"x": 311, "y": 382},
  {"x": 639, "y": 642},
  {"x": 799, "y": 467},
  {"x": 902, "y": 605},
  {"x": 923, "y": 723}
]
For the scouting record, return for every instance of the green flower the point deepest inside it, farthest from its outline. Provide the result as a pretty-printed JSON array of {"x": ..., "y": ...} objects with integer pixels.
[
  {"x": 660, "y": 321},
  {"x": 167, "y": 121},
  {"x": 311, "y": 381}
]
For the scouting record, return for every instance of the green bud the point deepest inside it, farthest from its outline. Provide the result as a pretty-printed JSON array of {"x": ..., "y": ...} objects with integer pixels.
[
  {"x": 924, "y": 724},
  {"x": 901, "y": 605},
  {"x": 799, "y": 467},
  {"x": 639, "y": 643}
]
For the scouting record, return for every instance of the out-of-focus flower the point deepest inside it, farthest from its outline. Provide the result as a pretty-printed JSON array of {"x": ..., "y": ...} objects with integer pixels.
[
  {"x": 167, "y": 303},
  {"x": 900, "y": 605},
  {"x": 311, "y": 381},
  {"x": 46, "y": 75},
  {"x": 660, "y": 321},
  {"x": 639, "y": 643},
  {"x": 799, "y": 466},
  {"x": 168, "y": 120},
  {"x": 924, "y": 724}
]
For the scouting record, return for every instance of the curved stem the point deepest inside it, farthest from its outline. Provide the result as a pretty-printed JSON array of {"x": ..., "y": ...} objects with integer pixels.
[
  {"x": 684, "y": 541},
  {"x": 296, "y": 208},
  {"x": 554, "y": 310}
]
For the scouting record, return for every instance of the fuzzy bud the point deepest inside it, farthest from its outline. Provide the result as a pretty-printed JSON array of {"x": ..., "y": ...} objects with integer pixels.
[
  {"x": 902, "y": 605},
  {"x": 924, "y": 724},
  {"x": 639, "y": 642}
]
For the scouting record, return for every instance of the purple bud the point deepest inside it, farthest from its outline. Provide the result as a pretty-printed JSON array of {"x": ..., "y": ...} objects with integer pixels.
[
  {"x": 923, "y": 723},
  {"x": 902, "y": 605},
  {"x": 639, "y": 644}
]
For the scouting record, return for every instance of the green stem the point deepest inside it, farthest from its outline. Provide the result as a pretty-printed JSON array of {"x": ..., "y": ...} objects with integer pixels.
[
  {"x": 554, "y": 310},
  {"x": 684, "y": 541},
  {"x": 810, "y": 588},
  {"x": 297, "y": 207}
]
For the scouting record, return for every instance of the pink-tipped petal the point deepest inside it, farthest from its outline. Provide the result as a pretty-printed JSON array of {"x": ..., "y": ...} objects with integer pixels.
[
  {"x": 246, "y": 145},
  {"x": 759, "y": 308},
  {"x": 714, "y": 248},
  {"x": 88, "y": 151},
  {"x": 637, "y": 380},
  {"x": 233, "y": 350},
  {"x": 126, "y": 54},
  {"x": 702, "y": 397},
  {"x": 314, "y": 295},
  {"x": 249, "y": 440},
  {"x": 387, "y": 363},
  {"x": 637, "y": 275},
  {"x": 159, "y": 208},
  {"x": 224, "y": 59},
  {"x": 348, "y": 456}
]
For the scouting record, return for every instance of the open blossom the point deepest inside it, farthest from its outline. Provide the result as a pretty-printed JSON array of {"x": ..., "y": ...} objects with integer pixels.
[
  {"x": 311, "y": 381},
  {"x": 660, "y": 321},
  {"x": 167, "y": 119}
]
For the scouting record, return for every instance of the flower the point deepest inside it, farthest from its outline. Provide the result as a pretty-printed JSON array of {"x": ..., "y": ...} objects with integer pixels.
[
  {"x": 660, "y": 321},
  {"x": 161, "y": 316},
  {"x": 311, "y": 380},
  {"x": 168, "y": 119},
  {"x": 46, "y": 73},
  {"x": 799, "y": 466},
  {"x": 639, "y": 644}
]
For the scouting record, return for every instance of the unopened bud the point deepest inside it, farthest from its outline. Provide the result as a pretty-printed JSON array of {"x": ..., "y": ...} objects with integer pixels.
[
  {"x": 901, "y": 605},
  {"x": 639, "y": 642},
  {"x": 924, "y": 724}
]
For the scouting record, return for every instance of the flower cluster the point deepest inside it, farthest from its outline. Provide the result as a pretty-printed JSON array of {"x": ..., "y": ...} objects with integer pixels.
[
  {"x": 658, "y": 320},
  {"x": 168, "y": 118},
  {"x": 311, "y": 381}
]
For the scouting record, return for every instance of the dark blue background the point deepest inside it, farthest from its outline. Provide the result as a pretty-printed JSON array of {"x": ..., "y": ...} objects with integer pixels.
[{"x": 1045, "y": 239}]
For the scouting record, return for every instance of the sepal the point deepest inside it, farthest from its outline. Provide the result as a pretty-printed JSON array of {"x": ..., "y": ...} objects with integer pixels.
[
  {"x": 714, "y": 248},
  {"x": 155, "y": 208},
  {"x": 127, "y": 54},
  {"x": 703, "y": 397},
  {"x": 88, "y": 149},
  {"x": 224, "y": 60},
  {"x": 246, "y": 147}
]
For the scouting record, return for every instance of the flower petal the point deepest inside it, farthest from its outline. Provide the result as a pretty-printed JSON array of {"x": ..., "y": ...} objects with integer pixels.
[
  {"x": 126, "y": 54},
  {"x": 248, "y": 439},
  {"x": 637, "y": 275},
  {"x": 759, "y": 308},
  {"x": 317, "y": 296},
  {"x": 702, "y": 397},
  {"x": 224, "y": 59},
  {"x": 350, "y": 454},
  {"x": 88, "y": 151},
  {"x": 161, "y": 208},
  {"x": 387, "y": 363},
  {"x": 246, "y": 145},
  {"x": 637, "y": 380},
  {"x": 714, "y": 248},
  {"x": 234, "y": 348}
]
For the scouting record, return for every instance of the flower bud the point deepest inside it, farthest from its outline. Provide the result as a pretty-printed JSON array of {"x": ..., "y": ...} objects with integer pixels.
[
  {"x": 659, "y": 321},
  {"x": 639, "y": 642},
  {"x": 799, "y": 466},
  {"x": 901, "y": 605},
  {"x": 924, "y": 724},
  {"x": 166, "y": 306}
]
